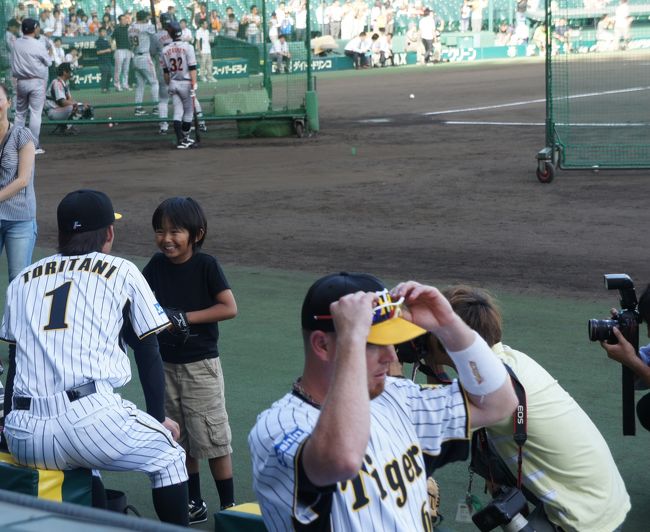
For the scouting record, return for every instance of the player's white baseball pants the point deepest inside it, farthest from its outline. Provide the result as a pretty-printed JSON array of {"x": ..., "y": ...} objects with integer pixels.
[
  {"x": 30, "y": 96},
  {"x": 99, "y": 431},
  {"x": 145, "y": 73},
  {"x": 183, "y": 107}
]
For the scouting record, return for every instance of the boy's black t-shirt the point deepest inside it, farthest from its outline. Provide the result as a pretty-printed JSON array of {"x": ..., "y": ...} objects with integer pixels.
[{"x": 192, "y": 285}]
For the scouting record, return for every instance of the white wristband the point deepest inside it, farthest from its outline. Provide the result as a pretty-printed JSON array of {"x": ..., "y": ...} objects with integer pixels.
[{"x": 479, "y": 370}]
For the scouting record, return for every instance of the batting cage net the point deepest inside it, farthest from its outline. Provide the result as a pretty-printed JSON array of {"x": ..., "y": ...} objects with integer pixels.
[
  {"x": 598, "y": 82},
  {"x": 250, "y": 68}
]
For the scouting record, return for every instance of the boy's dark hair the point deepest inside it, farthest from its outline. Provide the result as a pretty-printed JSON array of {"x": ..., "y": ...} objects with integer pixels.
[
  {"x": 82, "y": 243},
  {"x": 644, "y": 305},
  {"x": 478, "y": 309},
  {"x": 184, "y": 213}
]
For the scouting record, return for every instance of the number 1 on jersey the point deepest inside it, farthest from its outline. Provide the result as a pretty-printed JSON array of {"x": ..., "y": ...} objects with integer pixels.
[{"x": 59, "y": 306}]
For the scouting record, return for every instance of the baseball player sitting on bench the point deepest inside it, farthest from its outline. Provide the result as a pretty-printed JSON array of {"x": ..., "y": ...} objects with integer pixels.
[
  {"x": 64, "y": 314},
  {"x": 59, "y": 102},
  {"x": 345, "y": 448}
]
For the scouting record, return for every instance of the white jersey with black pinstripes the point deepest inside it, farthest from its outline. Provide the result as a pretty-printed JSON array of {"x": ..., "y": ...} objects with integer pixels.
[
  {"x": 389, "y": 493},
  {"x": 65, "y": 314}
]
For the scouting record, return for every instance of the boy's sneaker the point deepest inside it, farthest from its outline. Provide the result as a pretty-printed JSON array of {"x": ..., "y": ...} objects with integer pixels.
[{"x": 198, "y": 512}]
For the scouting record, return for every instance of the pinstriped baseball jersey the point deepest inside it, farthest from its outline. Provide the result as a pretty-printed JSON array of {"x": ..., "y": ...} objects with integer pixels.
[
  {"x": 389, "y": 493},
  {"x": 176, "y": 58},
  {"x": 140, "y": 35},
  {"x": 65, "y": 314}
]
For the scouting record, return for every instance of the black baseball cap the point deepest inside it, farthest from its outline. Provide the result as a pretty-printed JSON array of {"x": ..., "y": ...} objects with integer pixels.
[
  {"x": 388, "y": 327},
  {"x": 28, "y": 25},
  {"x": 85, "y": 210}
]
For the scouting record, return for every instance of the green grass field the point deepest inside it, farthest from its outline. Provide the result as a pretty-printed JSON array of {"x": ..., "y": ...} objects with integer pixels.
[{"x": 262, "y": 355}]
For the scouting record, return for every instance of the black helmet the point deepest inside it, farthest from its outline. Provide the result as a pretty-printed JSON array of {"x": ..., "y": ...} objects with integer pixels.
[
  {"x": 165, "y": 19},
  {"x": 174, "y": 30}
]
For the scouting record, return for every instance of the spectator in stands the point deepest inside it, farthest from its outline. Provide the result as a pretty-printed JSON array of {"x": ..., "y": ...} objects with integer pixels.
[
  {"x": 622, "y": 23},
  {"x": 477, "y": 14},
  {"x": 93, "y": 25},
  {"x": 201, "y": 15},
  {"x": 107, "y": 22},
  {"x": 73, "y": 57},
  {"x": 539, "y": 38},
  {"x": 323, "y": 18},
  {"x": 58, "y": 53},
  {"x": 186, "y": 33},
  {"x": 231, "y": 26},
  {"x": 605, "y": 34},
  {"x": 280, "y": 54},
  {"x": 348, "y": 21},
  {"x": 382, "y": 49},
  {"x": 427, "y": 27},
  {"x": 104, "y": 59},
  {"x": 108, "y": 11},
  {"x": 21, "y": 12},
  {"x": 171, "y": 11},
  {"x": 204, "y": 47},
  {"x": 72, "y": 28},
  {"x": 215, "y": 22},
  {"x": 465, "y": 14},
  {"x": 58, "y": 26},
  {"x": 83, "y": 25},
  {"x": 335, "y": 12},
  {"x": 413, "y": 42},
  {"x": 301, "y": 22},
  {"x": 561, "y": 36},
  {"x": 286, "y": 27},
  {"x": 123, "y": 54},
  {"x": 357, "y": 49},
  {"x": 274, "y": 28},
  {"x": 504, "y": 34},
  {"x": 253, "y": 23},
  {"x": 46, "y": 21}
]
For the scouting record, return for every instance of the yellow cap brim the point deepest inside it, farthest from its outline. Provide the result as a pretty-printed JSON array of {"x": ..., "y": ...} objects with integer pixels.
[
  {"x": 118, "y": 216},
  {"x": 394, "y": 331}
]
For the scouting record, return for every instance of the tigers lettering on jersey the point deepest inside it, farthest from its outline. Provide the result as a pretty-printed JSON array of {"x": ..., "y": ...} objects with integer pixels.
[
  {"x": 68, "y": 264},
  {"x": 392, "y": 476}
]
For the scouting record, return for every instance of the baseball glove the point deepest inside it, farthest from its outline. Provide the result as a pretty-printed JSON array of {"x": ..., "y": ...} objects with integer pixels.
[{"x": 180, "y": 330}]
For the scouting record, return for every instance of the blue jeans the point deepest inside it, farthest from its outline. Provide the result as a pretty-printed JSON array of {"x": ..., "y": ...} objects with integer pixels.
[{"x": 19, "y": 237}]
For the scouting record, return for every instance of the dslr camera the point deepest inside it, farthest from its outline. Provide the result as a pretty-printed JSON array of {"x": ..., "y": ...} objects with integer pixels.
[
  {"x": 627, "y": 319},
  {"x": 505, "y": 510}
]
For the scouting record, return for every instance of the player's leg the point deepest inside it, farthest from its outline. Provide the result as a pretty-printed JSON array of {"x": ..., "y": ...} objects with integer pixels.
[
  {"x": 22, "y": 102},
  {"x": 36, "y": 104},
  {"x": 150, "y": 76},
  {"x": 188, "y": 111},
  {"x": 177, "y": 103},
  {"x": 163, "y": 101},
  {"x": 140, "y": 81}
]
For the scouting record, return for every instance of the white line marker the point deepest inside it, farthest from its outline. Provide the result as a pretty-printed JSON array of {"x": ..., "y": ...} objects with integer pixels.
[
  {"x": 376, "y": 121},
  {"x": 538, "y": 100}
]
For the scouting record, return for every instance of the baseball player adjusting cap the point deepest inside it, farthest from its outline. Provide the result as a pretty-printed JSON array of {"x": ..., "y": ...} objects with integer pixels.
[
  {"x": 85, "y": 210},
  {"x": 388, "y": 327}
]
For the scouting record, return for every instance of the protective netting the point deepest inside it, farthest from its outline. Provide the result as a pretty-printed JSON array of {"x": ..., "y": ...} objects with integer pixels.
[{"x": 598, "y": 76}]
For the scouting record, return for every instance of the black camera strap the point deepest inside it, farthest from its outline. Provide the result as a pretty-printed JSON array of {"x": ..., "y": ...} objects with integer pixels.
[{"x": 520, "y": 435}]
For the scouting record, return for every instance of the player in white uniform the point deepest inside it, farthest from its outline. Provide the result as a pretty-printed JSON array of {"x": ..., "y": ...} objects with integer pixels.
[
  {"x": 140, "y": 35},
  {"x": 345, "y": 450},
  {"x": 64, "y": 314},
  {"x": 158, "y": 42},
  {"x": 178, "y": 62}
]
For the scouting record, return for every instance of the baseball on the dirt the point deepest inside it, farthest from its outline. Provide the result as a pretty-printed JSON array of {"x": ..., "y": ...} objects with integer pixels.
[{"x": 411, "y": 96}]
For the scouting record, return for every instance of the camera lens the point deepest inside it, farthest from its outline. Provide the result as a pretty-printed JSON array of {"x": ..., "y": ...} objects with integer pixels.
[{"x": 601, "y": 330}]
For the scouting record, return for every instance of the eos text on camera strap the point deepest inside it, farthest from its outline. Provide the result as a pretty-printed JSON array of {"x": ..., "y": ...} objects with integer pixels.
[{"x": 485, "y": 459}]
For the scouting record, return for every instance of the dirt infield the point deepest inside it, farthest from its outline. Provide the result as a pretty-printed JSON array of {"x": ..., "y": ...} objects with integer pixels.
[{"x": 403, "y": 194}]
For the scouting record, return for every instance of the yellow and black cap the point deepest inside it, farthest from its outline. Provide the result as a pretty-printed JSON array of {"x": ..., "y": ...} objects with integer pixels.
[{"x": 388, "y": 327}]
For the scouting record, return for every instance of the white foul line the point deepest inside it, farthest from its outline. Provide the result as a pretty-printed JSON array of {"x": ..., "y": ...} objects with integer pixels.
[
  {"x": 537, "y": 124},
  {"x": 529, "y": 102}
]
